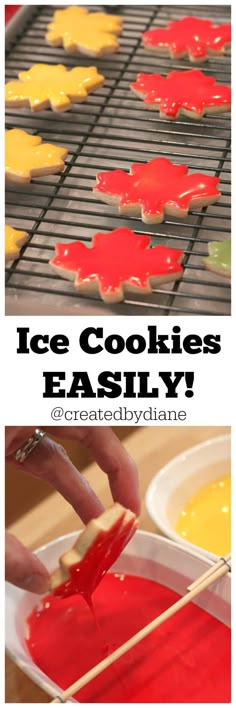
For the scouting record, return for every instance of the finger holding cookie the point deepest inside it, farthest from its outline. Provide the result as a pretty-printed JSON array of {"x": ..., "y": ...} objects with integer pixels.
[{"x": 43, "y": 458}]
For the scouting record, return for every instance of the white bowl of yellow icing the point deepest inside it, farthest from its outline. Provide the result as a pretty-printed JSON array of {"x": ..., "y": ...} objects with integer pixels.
[{"x": 189, "y": 498}]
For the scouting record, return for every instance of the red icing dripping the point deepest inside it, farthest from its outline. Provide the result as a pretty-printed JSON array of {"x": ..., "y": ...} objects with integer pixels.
[
  {"x": 191, "y": 90},
  {"x": 101, "y": 554},
  {"x": 187, "y": 659},
  {"x": 115, "y": 258},
  {"x": 190, "y": 35},
  {"x": 157, "y": 184}
]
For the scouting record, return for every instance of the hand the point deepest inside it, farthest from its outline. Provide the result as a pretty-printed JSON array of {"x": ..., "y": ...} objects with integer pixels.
[{"x": 49, "y": 461}]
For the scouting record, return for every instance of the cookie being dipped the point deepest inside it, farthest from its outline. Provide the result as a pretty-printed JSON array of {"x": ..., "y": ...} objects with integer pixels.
[{"x": 94, "y": 552}]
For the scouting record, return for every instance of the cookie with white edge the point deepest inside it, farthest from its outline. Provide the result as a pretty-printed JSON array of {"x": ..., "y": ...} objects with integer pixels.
[
  {"x": 190, "y": 93},
  {"x": 219, "y": 259},
  {"x": 14, "y": 240},
  {"x": 56, "y": 87},
  {"x": 27, "y": 156},
  {"x": 78, "y": 30},
  {"x": 117, "y": 262},
  {"x": 192, "y": 37},
  {"x": 95, "y": 550},
  {"x": 155, "y": 189}
]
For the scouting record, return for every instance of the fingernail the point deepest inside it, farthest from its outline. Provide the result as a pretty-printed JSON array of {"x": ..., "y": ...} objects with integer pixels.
[{"x": 36, "y": 583}]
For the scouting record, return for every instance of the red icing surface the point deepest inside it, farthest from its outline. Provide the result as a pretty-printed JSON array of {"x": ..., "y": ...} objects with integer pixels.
[
  {"x": 191, "y": 90},
  {"x": 189, "y": 35},
  {"x": 105, "y": 549},
  {"x": 117, "y": 257},
  {"x": 187, "y": 659},
  {"x": 10, "y": 10},
  {"x": 156, "y": 184}
]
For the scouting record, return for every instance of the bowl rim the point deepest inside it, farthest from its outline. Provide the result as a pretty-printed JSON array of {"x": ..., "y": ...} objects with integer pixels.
[
  {"x": 160, "y": 474},
  {"x": 164, "y": 539}
]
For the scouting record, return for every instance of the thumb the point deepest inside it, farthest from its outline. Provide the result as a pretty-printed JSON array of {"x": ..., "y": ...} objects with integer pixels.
[{"x": 23, "y": 568}]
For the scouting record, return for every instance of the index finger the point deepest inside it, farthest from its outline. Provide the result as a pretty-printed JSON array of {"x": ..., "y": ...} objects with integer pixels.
[
  {"x": 113, "y": 459},
  {"x": 109, "y": 454}
]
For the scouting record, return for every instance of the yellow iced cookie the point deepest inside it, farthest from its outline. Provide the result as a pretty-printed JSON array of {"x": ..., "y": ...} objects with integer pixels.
[
  {"x": 14, "y": 239},
  {"x": 45, "y": 86},
  {"x": 27, "y": 157},
  {"x": 91, "y": 33}
]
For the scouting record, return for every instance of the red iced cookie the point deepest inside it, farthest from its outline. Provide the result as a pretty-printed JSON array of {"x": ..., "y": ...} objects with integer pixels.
[
  {"x": 95, "y": 550},
  {"x": 117, "y": 261},
  {"x": 155, "y": 189},
  {"x": 189, "y": 92},
  {"x": 191, "y": 36}
]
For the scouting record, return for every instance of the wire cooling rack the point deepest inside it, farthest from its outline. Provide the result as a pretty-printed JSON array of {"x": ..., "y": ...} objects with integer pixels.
[{"x": 112, "y": 130}]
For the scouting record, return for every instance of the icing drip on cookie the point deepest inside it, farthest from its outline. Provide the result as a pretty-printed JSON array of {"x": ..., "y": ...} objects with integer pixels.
[
  {"x": 95, "y": 550},
  {"x": 90, "y": 33},
  {"x": 156, "y": 188},
  {"x": 27, "y": 156},
  {"x": 189, "y": 36},
  {"x": 189, "y": 92},
  {"x": 116, "y": 261},
  {"x": 44, "y": 85}
]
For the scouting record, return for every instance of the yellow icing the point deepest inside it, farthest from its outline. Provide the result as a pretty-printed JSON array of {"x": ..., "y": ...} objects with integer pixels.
[
  {"x": 14, "y": 239},
  {"x": 206, "y": 518},
  {"x": 91, "y": 33},
  {"x": 44, "y": 85},
  {"x": 27, "y": 157}
]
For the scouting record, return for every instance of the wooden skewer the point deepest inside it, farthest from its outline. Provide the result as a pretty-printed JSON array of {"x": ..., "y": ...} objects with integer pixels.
[
  {"x": 96, "y": 670},
  {"x": 210, "y": 571}
]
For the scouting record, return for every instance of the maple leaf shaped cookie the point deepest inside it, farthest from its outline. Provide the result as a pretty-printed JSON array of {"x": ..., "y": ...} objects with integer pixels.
[
  {"x": 117, "y": 261},
  {"x": 192, "y": 37},
  {"x": 90, "y": 33},
  {"x": 27, "y": 157},
  {"x": 14, "y": 240},
  {"x": 155, "y": 189},
  {"x": 188, "y": 92},
  {"x": 95, "y": 550},
  {"x": 219, "y": 259},
  {"x": 45, "y": 86}
]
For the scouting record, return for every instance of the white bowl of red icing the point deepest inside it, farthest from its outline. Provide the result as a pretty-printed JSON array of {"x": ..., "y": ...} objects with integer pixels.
[{"x": 147, "y": 556}]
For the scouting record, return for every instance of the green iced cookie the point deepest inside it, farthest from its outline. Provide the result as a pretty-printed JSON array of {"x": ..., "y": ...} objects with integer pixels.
[{"x": 219, "y": 259}]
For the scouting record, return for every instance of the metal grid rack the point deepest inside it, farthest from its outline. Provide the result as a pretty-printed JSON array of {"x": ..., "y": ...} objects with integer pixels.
[{"x": 112, "y": 130}]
